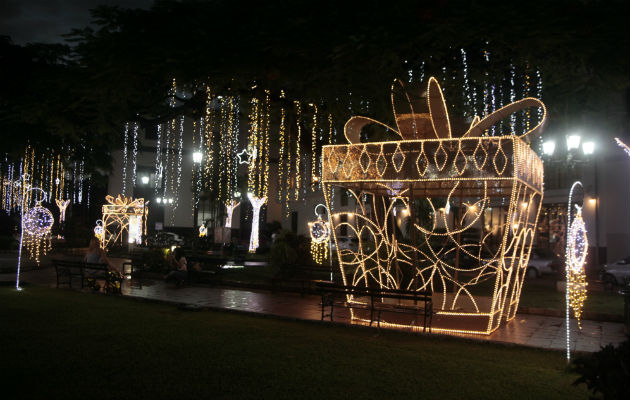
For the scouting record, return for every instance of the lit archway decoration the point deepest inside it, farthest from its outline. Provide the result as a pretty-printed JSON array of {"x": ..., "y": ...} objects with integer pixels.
[
  {"x": 476, "y": 276},
  {"x": 123, "y": 214}
]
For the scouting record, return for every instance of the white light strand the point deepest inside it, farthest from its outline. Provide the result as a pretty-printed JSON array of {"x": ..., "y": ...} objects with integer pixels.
[
  {"x": 135, "y": 155},
  {"x": 158, "y": 160},
  {"x": 124, "y": 164}
]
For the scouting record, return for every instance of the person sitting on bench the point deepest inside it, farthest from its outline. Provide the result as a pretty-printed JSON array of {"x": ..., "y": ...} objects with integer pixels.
[
  {"x": 178, "y": 263},
  {"x": 95, "y": 255}
]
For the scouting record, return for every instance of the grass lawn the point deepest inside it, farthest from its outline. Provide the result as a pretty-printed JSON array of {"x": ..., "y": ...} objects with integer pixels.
[
  {"x": 540, "y": 293},
  {"x": 64, "y": 344}
]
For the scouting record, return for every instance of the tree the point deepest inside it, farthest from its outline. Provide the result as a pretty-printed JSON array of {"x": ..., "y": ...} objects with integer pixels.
[{"x": 121, "y": 69}]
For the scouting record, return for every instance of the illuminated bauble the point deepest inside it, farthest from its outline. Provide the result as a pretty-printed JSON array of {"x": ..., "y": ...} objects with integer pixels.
[
  {"x": 320, "y": 231},
  {"x": 37, "y": 221},
  {"x": 203, "y": 231},
  {"x": 578, "y": 243},
  {"x": 36, "y": 225},
  {"x": 98, "y": 229}
]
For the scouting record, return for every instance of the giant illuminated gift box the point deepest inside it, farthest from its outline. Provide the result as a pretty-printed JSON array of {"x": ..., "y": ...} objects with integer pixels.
[
  {"x": 477, "y": 200},
  {"x": 123, "y": 214}
]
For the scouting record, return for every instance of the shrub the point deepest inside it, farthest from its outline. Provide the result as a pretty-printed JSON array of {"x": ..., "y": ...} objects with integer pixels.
[{"x": 606, "y": 371}]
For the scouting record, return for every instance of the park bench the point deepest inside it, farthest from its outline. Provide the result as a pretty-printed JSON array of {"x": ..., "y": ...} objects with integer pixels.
[
  {"x": 376, "y": 301},
  {"x": 66, "y": 270},
  {"x": 299, "y": 277},
  {"x": 210, "y": 269}
]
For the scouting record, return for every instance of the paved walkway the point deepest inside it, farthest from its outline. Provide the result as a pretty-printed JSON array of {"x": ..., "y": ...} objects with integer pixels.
[{"x": 529, "y": 330}]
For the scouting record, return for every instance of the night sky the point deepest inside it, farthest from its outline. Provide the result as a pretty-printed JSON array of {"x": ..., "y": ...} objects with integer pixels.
[{"x": 46, "y": 20}]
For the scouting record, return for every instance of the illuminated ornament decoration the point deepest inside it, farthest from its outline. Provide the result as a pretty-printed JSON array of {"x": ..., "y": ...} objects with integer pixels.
[
  {"x": 576, "y": 278},
  {"x": 320, "y": 235},
  {"x": 36, "y": 224},
  {"x": 203, "y": 231},
  {"x": 98, "y": 230},
  {"x": 229, "y": 210},
  {"x": 475, "y": 284},
  {"x": 577, "y": 245},
  {"x": 62, "y": 204},
  {"x": 257, "y": 203}
]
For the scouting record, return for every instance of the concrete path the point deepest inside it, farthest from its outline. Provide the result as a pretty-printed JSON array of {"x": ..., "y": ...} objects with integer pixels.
[{"x": 529, "y": 330}]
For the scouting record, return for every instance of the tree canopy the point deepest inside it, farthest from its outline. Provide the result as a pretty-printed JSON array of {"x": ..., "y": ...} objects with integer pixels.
[{"x": 120, "y": 68}]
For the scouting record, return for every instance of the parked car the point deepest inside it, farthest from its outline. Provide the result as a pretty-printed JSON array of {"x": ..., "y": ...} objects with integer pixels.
[
  {"x": 617, "y": 272},
  {"x": 540, "y": 262},
  {"x": 165, "y": 239}
]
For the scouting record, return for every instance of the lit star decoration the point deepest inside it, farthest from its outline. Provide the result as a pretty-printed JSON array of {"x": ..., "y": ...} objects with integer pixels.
[
  {"x": 257, "y": 203},
  {"x": 62, "y": 204},
  {"x": 431, "y": 162},
  {"x": 244, "y": 157}
]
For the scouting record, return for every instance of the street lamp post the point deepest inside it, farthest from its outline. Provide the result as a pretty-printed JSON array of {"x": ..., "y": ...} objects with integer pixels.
[{"x": 573, "y": 142}]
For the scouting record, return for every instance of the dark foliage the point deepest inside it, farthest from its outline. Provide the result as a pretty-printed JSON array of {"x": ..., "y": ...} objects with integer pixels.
[
  {"x": 78, "y": 95},
  {"x": 606, "y": 372}
]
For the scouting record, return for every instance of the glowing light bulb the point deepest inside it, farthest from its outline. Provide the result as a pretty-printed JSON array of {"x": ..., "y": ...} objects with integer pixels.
[
  {"x": 549, "y": 147},
  {"x": 197, "y": 157},
  {"x": 573, "y": 142},
  {"x": 588, "y": 148}
]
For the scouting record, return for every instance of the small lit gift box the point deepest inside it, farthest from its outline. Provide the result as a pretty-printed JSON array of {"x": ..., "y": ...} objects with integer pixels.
[
  {"x": 468, "y": 235},
  {"x": 123, "y": 215}
]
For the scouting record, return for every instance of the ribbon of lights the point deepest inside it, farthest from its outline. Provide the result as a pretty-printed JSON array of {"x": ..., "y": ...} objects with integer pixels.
[
  {"x": 298, "y": 157},
  {"x": 623, "y": 146},
  {"x": 282, "y": 151},
  {"x": 314, "y": 169},
  {"x": 429, "y": 163},
  {"x": 124, "y": 166}
]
